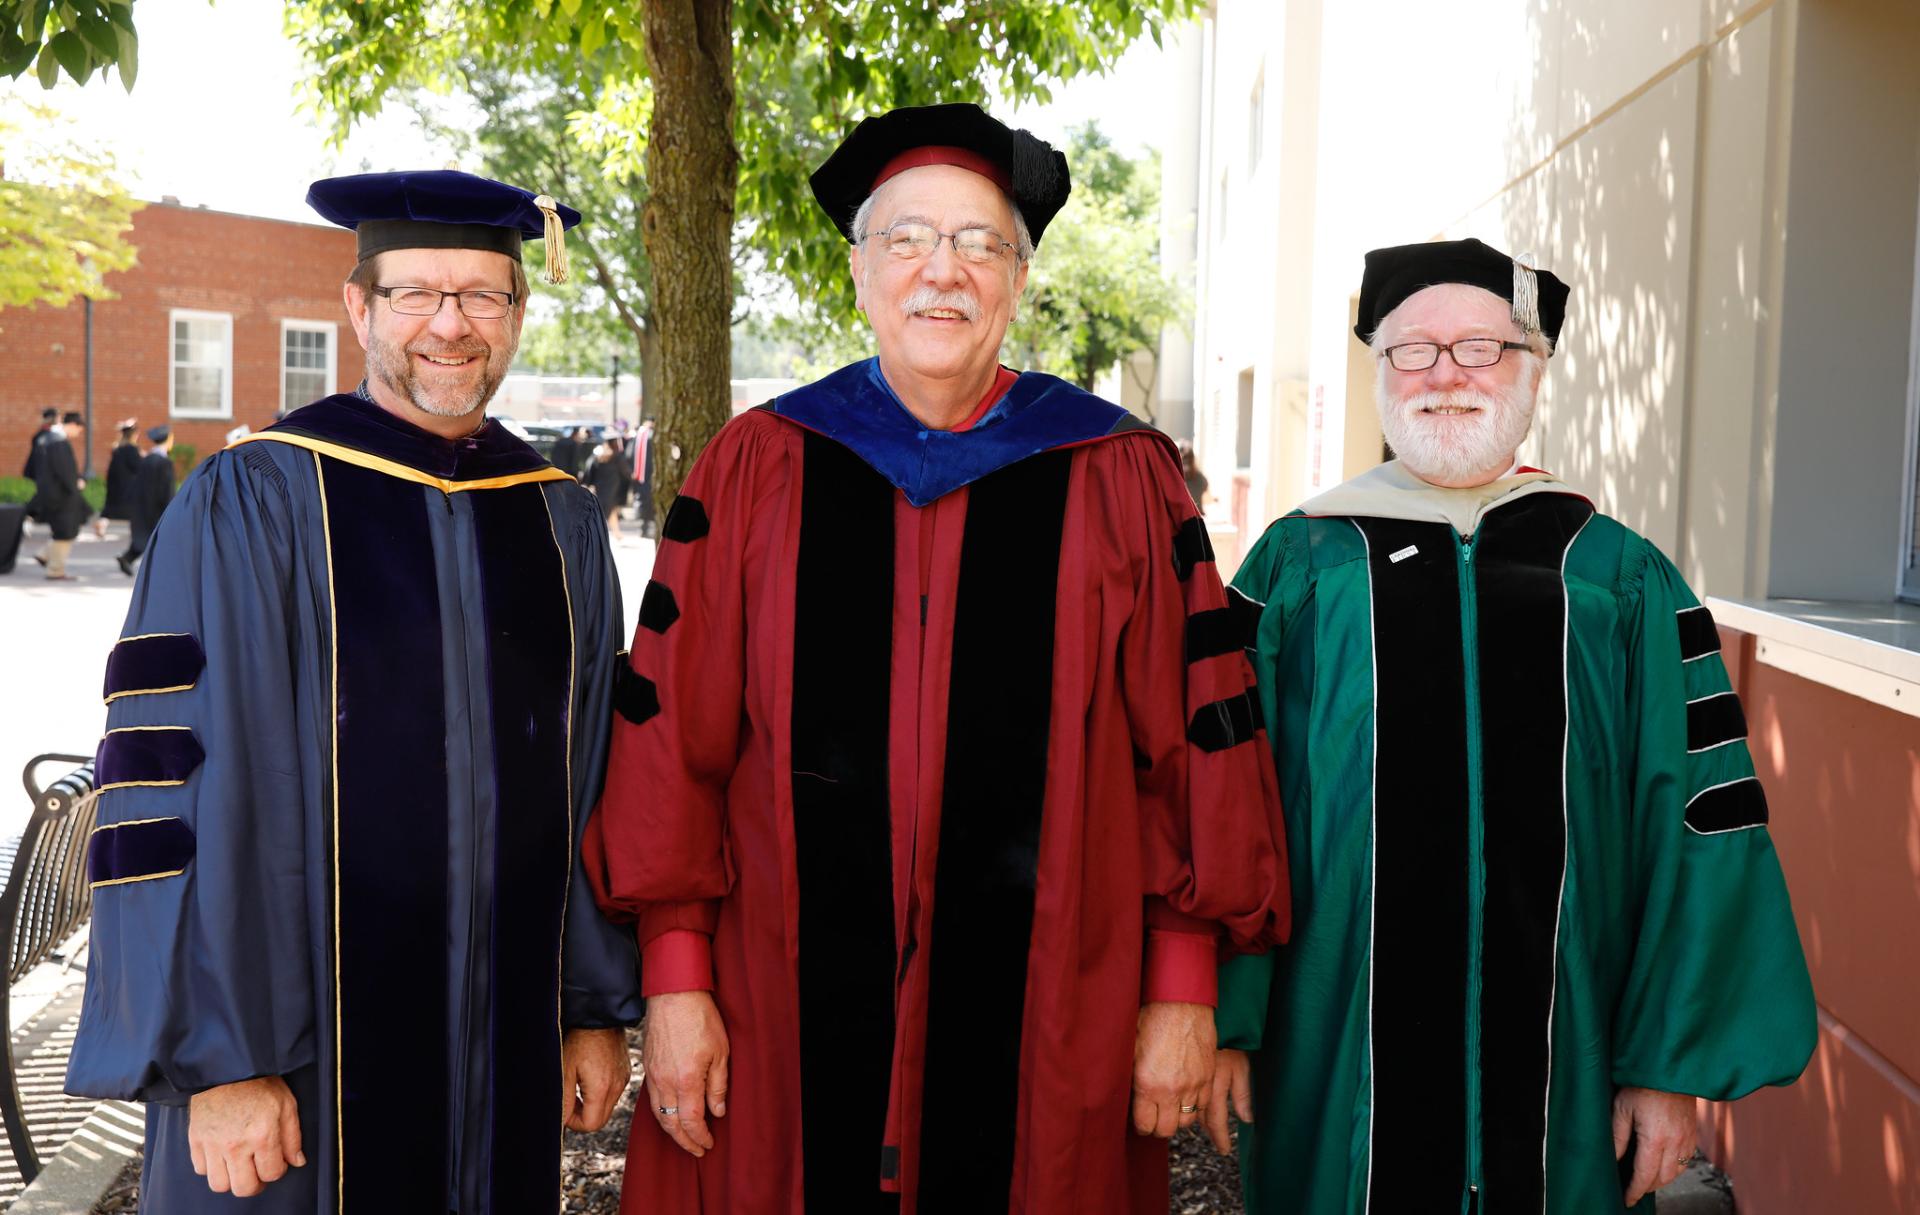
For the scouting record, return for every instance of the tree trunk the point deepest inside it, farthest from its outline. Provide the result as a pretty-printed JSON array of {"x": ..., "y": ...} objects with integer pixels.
[
  {"x": 693, "y": 170},
  {"x": 648, "y": 339}
]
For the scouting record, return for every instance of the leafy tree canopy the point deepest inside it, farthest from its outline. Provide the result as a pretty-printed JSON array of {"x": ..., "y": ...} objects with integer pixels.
[
  {"x": 64, "y": 217},
  {"x": 78, "y": 37},
  {"x": 1097, "y": 292},
  {"x": 805, "y": 70}
]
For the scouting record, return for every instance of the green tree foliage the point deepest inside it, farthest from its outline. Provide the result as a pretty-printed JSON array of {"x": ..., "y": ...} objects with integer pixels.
[
  {"x": 78, "y": 37},
  {"x": 806, "y": 72},
  {"x": 575, "y": 338},
  {"x": 794, "y": 76},
  {"x": 538, "y": 119},
  {"x": 1097, "y": 292},
  {"x": 64, "y": 217}
]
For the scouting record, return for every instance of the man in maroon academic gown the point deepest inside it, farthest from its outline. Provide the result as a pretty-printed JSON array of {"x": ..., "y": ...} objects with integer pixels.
[{"x": 939, "y": 784}]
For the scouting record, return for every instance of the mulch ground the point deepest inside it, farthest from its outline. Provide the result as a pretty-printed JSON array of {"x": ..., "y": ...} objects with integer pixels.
[{"x": 1204, "y": 1182}]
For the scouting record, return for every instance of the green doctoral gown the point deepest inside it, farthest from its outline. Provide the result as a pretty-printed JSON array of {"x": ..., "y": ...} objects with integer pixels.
[{"x": 1530, "y": 857}]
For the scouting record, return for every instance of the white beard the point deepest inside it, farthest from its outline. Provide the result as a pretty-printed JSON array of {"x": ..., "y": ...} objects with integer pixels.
[{"x": 1465, "y": 450}]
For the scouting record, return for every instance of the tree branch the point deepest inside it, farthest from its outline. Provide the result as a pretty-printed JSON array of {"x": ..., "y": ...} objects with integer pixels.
[{"x": 603, "y": 274}]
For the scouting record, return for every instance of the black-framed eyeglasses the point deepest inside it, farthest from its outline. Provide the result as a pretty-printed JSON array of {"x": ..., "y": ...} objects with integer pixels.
[
  {"x": 425, "y": 301},
  {"x": 910, "y": 242},
  {"x": 1467, "y": 352}
]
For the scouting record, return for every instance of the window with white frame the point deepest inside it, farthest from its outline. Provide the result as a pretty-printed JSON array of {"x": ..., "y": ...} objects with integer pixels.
[
  {"x": 306, "y": 362},
  {"x": 201, "y": 345}
]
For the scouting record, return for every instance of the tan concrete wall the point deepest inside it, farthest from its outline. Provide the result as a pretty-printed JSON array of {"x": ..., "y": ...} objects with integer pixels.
[{"x": 1736, "y": 233}]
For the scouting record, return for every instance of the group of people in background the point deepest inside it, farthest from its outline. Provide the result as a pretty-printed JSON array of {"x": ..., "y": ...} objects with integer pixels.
[
  {"x": 618, "y": 469},
  {"x": 139, "y": 486}
]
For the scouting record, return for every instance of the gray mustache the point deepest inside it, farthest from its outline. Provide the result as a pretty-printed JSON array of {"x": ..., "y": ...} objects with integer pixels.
[{"x": 929, "y": 298}]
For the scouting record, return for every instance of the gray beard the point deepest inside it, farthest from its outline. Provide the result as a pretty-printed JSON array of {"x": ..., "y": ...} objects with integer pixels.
[
  {"x": 426, "y": 404},
  {"x": 391, "y": 365}
]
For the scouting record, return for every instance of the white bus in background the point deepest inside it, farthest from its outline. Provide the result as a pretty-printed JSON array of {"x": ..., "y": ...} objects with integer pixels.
[{"x": 589, "y": 400}]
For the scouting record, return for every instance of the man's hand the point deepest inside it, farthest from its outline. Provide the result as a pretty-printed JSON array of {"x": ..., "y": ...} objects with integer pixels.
[
  {"x": 1664, "y": 1127},
  {"x": 1172, "y": 1067},
  {"x": 243, "y": 1136},
  {"x": 1232, "y": 1085},
  {"x": 594, "y": 1070},
  {"x": 684, "y": 1058}
]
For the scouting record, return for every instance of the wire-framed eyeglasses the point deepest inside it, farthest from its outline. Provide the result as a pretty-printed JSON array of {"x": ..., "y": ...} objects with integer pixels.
[
  {"x": 1466, "y": 353},
  {"x": 425, "y": 301},
  {"x": 911, "y": 241}
]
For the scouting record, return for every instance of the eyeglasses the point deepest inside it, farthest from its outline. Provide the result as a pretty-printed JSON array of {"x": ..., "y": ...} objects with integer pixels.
[
  {"x": 910, "y": 242},
  {"x": 425, "y": 301},
  {"x": 1468, "y": 353}
]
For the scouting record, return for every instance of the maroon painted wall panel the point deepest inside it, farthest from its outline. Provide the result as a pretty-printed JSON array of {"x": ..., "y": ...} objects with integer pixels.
[{"x": 1843, "y": 781}]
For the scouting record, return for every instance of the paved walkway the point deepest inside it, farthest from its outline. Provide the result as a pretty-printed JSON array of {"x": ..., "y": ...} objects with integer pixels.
[
  {"x": 54, "y": 638},
  {"x": 46, "y": 1012}
]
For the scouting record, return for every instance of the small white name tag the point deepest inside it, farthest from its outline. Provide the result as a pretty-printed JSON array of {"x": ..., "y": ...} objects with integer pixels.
[{"x": 1403, "y": 554}]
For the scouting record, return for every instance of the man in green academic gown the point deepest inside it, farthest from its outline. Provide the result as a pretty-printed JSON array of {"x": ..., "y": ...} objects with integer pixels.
[{"x": 1536, "y": 909}]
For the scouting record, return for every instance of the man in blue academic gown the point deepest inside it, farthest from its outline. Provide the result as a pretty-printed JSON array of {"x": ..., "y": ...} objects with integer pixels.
[{"x": 357, "y": 719}]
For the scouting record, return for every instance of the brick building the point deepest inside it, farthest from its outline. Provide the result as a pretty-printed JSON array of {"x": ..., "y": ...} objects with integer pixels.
[{"x": 225, "y": 320}]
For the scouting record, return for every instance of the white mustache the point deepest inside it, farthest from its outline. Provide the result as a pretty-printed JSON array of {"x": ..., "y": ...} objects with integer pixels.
[
  {"x": 1455, "y": 397},
  {"x": 926, "y": 299}
]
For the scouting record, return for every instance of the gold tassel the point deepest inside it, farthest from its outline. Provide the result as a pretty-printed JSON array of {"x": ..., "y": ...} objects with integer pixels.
[
  {"x": 555, "y": 239},
  {"x": 1526, "y": 296}
]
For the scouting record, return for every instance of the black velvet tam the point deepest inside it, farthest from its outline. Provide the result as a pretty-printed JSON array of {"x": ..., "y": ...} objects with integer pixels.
[
  {"x": 1397, "y": 272},
  {"x": 433, "y": 209},
  {"x": 1032, "y": 172}
]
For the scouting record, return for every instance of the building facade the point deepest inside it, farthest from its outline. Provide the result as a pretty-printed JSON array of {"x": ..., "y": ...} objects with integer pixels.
[
  {"x": 1732, "y": 190},
  {"x": 225, "y": 320}
]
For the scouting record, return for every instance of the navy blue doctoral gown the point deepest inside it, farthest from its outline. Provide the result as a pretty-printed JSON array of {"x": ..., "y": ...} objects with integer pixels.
[{"x": 357, "y": 718}]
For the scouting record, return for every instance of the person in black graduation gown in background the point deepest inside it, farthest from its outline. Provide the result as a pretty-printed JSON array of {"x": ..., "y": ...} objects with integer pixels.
[
  {"x": 149, "y": 491},
  {"x": 58, "y": 494},
  {"x": 122, "y": 469},
  {"x": 606, "y": 477},
  {"x": 48, "y": 430}
]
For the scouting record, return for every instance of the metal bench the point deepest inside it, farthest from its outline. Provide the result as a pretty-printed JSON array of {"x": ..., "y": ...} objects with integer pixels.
[{"x": 46, "y": 900}]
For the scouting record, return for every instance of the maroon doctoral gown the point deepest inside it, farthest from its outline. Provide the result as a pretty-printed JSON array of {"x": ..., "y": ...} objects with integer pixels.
[{"x": 939, "y": 755}]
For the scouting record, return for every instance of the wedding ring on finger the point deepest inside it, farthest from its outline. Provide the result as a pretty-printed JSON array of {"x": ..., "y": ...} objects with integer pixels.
[
  {"x": 668, "y": 1111},
  {"x": 1189, "y": 1109}
]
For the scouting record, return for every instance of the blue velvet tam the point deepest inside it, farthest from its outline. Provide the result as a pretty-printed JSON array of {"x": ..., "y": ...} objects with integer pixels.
[{"x": 443, "y": 209}]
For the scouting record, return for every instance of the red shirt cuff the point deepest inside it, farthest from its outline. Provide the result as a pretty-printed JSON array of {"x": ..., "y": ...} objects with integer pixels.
[
  {"x": 679, "y": 959},
  {"x": 1181, "y": 967}
]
